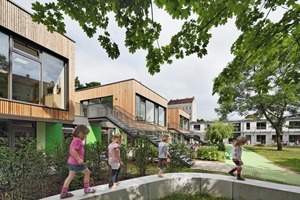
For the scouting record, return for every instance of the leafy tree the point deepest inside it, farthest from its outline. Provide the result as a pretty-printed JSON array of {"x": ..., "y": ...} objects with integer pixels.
[
  {"x": 252, "y": 19},
  {"x": 218, "y": 131},
  {"x": 92, "y": 84},
  {"x": 78, "y": 85},
  {"x": 264, "y": 77}
]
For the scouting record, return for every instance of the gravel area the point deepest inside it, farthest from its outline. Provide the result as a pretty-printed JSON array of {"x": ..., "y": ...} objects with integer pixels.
[{"x": 211, "y": 166}]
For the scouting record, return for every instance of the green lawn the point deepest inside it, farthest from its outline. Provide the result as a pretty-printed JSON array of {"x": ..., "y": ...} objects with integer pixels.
[
  {"x": 193, "y": 197},
  {"x": 289, "y": 157}
]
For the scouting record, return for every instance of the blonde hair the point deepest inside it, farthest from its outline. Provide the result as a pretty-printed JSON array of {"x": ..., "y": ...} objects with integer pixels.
[
  {"x": 116, "y": 136},
  {"x": 165, "y": 137}
]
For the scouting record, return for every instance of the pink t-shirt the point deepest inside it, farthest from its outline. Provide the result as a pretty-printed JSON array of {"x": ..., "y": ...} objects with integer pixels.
[
  {"x": 77, "y": 144},
  {"x": 113, "y": 156}
]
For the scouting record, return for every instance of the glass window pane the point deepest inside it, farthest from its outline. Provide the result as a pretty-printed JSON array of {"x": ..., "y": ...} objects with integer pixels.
[
  {"x": 54, "y": 82},
  {"x": 26, "y": 79},
  {"x": 4, "y": 135},
  {"x": 4, "y": 48},
  {"x": 26, "y": 49},
  {"x": 162, "y": 116},
  {"x": 149, "y": 111}
]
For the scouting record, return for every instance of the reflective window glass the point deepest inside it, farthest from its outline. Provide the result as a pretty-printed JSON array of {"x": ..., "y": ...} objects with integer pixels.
[
  {"x": 53, "y": 81},
  {"x": 26, "y": 75},
  {"x": 4, "y": 67},
  {"x": 4, "y": 135}
]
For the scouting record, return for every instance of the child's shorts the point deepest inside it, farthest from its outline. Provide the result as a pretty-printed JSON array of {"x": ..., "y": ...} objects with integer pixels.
[
  {"x": 162, "y": 162},
  {"x": 76, "y": 168}
]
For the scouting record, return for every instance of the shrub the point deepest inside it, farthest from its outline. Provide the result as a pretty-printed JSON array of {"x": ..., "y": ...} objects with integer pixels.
[
  {"x": 143, "y": 154},
  {"x": 24, "y": 172},
  {"x": 210, "y": 153},
  {"x": 178, "y": 151}
]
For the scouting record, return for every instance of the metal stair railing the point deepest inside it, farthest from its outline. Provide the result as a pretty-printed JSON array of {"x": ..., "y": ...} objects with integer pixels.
[
  {"x": 125, "y": 121},
  {"x": 128, "y": 123}
]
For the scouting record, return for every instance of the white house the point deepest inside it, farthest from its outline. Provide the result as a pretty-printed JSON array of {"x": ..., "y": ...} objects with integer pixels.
[{"x": 257, "y": 131}]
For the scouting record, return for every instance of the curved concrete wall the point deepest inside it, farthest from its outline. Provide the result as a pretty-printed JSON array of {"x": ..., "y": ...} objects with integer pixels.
[{"x": 153, "y": 188}]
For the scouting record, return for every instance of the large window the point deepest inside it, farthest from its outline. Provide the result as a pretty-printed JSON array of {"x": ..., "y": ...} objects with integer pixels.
[
  {"x": 162, "y": 116},
  {"x": 197, "y": 127},
  {"x": 247, "y": 126},
  {"x": 31, "y": 74},
  {"x": 150, "y": 111},
  {"x": 237, "y": 126},
  {"x": 16, "y": 133},
  {"x": 261, "y": 139},
  {"x": 146, "y": 110},
  {"x": 4, "y": 51},
  {"x": 261, "y": 126},
  {"x": 26, "y": 76},
  {"x": 53, "y": 81},
  {"x": 184, "y": 123},
  {"x": 4, "y": 133},
  {"x": 294, "y": 138},
  {"x": 294, "y": 125}
]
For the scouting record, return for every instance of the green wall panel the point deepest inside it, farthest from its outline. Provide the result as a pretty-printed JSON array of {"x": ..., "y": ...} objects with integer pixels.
[
  {"x": 54, "y": 136},
  {"x": 94, "y": 134}
]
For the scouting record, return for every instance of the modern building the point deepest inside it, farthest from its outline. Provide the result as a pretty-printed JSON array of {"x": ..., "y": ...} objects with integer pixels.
[
  {"x": 38, "y": 98},
  {"x": 188, "y": 105},
  {"x": 36, "y": 79},
  {"x": 127, "y": 106},
  {"x": 257, "y": 131}
]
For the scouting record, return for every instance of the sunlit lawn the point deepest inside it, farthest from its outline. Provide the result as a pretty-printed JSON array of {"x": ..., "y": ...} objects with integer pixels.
[{"x": 289, "y": 157}]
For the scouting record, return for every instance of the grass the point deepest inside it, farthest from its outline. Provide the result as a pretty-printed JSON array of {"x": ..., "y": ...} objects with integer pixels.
[
  {"x": 288, "y": 158},
  {"x": 193, "y": 197}
]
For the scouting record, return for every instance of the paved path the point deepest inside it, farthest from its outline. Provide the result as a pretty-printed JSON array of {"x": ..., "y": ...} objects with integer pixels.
[{"x": 254, "y": 165}]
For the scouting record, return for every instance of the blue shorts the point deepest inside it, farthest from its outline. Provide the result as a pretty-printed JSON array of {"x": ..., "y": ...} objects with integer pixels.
[{"x": 76, "y": 168}]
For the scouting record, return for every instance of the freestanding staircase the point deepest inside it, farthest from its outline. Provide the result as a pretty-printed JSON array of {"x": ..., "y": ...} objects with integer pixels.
[{"x": 128, "y": 124}]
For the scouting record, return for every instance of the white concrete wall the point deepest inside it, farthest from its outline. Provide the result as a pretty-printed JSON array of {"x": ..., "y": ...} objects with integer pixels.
[{"x": 154, "y": 188}]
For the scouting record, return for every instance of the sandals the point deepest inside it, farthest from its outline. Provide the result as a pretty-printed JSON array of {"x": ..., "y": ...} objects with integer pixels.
[
  {"x": 66, "y": 195},
  {"x": 89, "y": 190}
]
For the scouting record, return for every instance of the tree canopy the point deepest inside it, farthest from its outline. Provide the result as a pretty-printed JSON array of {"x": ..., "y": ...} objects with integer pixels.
[
  {"x": 264, "y": 77},
  {"x": 79, "y": 86},
  {"x": 218, "y": 131},
  {"x": 198, "y": 18}
]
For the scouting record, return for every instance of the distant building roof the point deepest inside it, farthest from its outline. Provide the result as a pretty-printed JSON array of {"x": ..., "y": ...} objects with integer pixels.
[{"x": 181, "y": 101}]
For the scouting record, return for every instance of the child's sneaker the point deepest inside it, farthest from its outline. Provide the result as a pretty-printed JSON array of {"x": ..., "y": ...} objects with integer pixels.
[
  {"x": 64, "y": 195},
  {"x": 89, "y": 190}
]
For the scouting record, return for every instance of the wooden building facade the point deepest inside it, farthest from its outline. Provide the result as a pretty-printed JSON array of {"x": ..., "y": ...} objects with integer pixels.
[
  {"x": 37, "y": 73},
  {"x": 131, "y": 96}
]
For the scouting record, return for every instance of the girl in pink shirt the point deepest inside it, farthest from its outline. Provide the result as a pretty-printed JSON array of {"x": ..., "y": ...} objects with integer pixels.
[
  {"x": 76, "y": 162},
  {"x": 114, "y": 160}
]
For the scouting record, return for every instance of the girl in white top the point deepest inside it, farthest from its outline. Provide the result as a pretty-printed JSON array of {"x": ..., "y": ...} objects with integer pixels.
[
  {"x": 237, "y": 156},
  {"x": 163, "y": 154},
  {"x": 114, "y": 160}
]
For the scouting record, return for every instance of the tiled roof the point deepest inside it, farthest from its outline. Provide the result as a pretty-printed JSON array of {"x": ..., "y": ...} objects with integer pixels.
[{"x": 181, "y": 101}]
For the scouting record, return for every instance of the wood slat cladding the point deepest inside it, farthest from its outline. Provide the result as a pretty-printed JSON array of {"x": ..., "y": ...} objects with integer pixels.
[
  {"x": 23, "y": 110},
  {"x": 174, "y": 115},
  {"x": 123, "y": 93},
  {"x": 20, "y": 22}
]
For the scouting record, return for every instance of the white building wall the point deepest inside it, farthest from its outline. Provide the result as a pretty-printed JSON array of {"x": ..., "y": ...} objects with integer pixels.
[{"x": 253, "y": 132}]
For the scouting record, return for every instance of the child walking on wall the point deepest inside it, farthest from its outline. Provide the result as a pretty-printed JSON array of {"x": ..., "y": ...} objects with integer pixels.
[
  {"x": 163, "y": 154},
  {"x": 76, "y": 162},
  {"x": 237, "y": 157},
  {"x": 114, "y": 160}
]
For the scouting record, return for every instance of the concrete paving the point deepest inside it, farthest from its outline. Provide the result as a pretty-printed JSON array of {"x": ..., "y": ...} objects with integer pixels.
[{"x": 258, "y": 166}]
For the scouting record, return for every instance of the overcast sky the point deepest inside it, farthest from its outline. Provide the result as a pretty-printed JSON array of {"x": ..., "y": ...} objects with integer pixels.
[{"x": 184, "y": 78}]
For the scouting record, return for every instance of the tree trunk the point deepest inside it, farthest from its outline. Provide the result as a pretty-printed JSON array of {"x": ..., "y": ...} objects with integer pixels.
[{"x": 279, "y": 143}]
